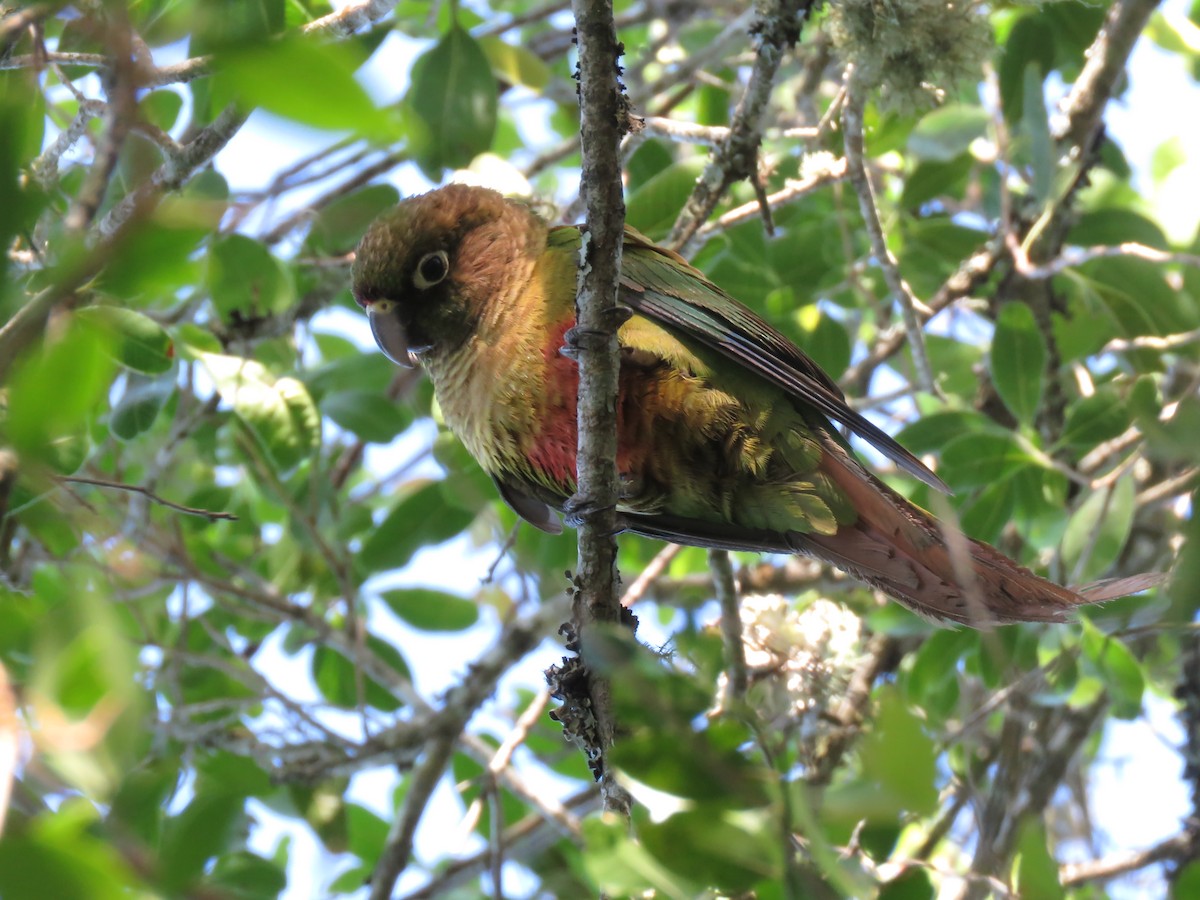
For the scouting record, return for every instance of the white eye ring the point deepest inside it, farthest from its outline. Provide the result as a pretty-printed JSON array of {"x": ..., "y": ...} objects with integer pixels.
[{"x": 432, "y": 269}]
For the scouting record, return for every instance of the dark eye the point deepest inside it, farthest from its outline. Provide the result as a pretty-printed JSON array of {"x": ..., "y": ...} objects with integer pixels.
[{"x": 431, "y": 269}]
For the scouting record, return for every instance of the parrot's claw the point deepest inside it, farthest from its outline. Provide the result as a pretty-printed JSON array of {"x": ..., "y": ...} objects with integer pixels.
[
  {"x": 577, "y": 508},
  {"x": 577, "y": 338}
]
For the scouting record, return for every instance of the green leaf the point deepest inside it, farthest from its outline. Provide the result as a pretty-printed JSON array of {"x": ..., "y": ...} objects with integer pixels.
[
  {"x": 899, "y": 769},
  {"x": 306, "y": 81},
  {"x": 977, "y": 460},
  {"x": 1098, "y": 530},
  {"x": 393, "y": 543},
  {"x": 515, "y": 65},
  {"x": 279, "y": 412},
  {"x": 197, "y": 834},
  {"x": 339, "y": 226},
  {"x": 1175, "y": 33},
  {"x": 454, "y": 96},
  {"x": 1030, "y": 43},
  {"x": 136, "y": 340},
  {"x": 56, "y": 390},
  {"x": 368, "y": 415},
  {"x": 139, "y": 406},
  {"x": 141, "y": 801},
  {"x": 931, "y": 433},
  {"x": 948, "y": 132},
  {"x": 246, "y": 876},
  {"x": 161, "y": 108},
  {"x": 1117, "y": 225},
  {"x": 730, "y": 853},
  {"x": 693, "y": 765},
  {"x": 1114, "y": 663},
  {"x": 432, "y": 610},
  {"x": 1036, "y": 870},
  {"x": 984, "y": 516},
  {"x": 652, "y": 157},
  {"x": 824, "y": 339},
  {"x": 1019, "y": 360},
  {"x": 244, "y": 276},
  {"x": 153, "y": 258},
  {"x": 1095, "y": 419},
  {"x": 339, "y": 683},
  {"x": 1187, "y": 882},
  {"x": 931, "y": 674},
  {"x": 58, "y": 857},
  {"x": 367, "y": 833},
  {"x": 913, "y": 884},
  {"x": 623, "y": 867},
  {"x": 930, "y": 180},
  {"x": 652, "y": 208}
]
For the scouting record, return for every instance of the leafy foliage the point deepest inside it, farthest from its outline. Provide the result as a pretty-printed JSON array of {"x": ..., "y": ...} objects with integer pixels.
[{"x": 248, "y": 588}]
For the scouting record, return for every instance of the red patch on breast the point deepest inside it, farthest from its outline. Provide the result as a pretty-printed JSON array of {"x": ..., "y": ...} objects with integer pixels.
[{"x": 554, "y": 450}]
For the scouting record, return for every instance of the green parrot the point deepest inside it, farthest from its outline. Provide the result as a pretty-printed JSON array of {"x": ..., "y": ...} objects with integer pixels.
[{"x": 724, "y": 426}]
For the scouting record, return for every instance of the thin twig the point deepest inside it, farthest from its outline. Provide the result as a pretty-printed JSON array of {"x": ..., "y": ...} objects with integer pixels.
[
  {"x": 1084, "y": 105},
  {"x": 792, "y": 191},
  {"x": 738, "y": 678},
  {"x": 1072, "y": 257},
  {"x": 351, "y": 17},
  {"x": 777, "y": 27},
  {"x": 1173, "y": 848},
  {"x": 151, "y": 496},
  {"x": 852, "y": 124},
  {"x": 120, "y": 114},
  {"x": 523, "y": 840},
  {"x": 648, "y": 575},
  {"x": 458, "y": 705}
]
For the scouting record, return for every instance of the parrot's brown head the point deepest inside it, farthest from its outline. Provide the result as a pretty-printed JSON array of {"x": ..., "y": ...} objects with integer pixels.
[{"x": 427, "y": 271}]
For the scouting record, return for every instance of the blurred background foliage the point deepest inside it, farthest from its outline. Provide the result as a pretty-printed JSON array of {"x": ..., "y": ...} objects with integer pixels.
[{"x": 265, "y": 629}]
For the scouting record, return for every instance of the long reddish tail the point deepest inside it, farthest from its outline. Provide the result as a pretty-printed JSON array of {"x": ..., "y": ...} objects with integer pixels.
[{"x": 933, "y": 569}]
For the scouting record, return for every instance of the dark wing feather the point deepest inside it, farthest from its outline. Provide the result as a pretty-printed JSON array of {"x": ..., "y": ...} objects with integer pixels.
[
  {"x": 696, "y": 306},
  {"x": 529, "y": 507}
]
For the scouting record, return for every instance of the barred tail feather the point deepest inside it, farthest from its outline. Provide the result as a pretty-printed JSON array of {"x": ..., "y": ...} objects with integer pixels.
[{"x": 933, "y": 569}]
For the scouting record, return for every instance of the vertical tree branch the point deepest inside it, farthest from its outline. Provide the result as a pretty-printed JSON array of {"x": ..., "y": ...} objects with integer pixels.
[
  {"x": 602, "y": 113},
  {"x": 731, "y": 628},
  {"x": 119, "y": 117}
]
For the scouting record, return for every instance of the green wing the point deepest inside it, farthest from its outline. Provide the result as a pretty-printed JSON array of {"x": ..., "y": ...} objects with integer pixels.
[{"x": 661, "y": 285}]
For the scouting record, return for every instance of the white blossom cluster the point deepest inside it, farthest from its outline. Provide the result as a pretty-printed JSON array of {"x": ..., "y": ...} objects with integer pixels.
[{"x": 800, "y": 660}]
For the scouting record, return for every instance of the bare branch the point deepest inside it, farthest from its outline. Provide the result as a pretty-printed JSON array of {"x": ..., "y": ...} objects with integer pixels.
[
  {"x": 1071, "y": 257},
  {"x": 852, "y": 122},
  {"x": 648, "y": 575},
  {"x": 1181, "y": 846},
  {"x": 119, "y": 116},
  {"x": 793, "y": 191},
  {"x": 151, "y": 496},
  {"x": 442, "y": 733},
  {"x": 1105, "y": 62},
  {"x": 731, "y": 628},
  {"x": 776, "y": 29},
  {"x": 177, "y": 171},
  {"x": 351, "y": 17}
]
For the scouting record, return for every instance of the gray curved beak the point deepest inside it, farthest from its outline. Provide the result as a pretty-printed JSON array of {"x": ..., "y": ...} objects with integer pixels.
[{"x": 389, "y": 333}]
